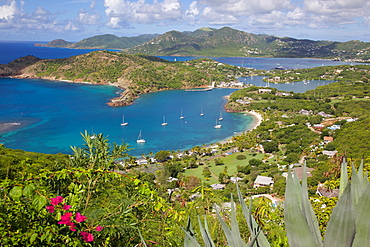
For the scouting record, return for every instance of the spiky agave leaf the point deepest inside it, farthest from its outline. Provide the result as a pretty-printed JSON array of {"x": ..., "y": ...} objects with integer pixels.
[
  {"x": 258, "y": 238},
  {"x": 308, "y": 210},
  {"x": 356, "y": 185},
  {"x": 343, "y": 177},
  {"x": 190, "y": 240},
  {"x": 341, "y": 228},
  {"x": 298, "y": 231},
  {"x": 205, "y": 233},
  {"x": 233, "y": 238},
  {"x": 362, "y": 213}
]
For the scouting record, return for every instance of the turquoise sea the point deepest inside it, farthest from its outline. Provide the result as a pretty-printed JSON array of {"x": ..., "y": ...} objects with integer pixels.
[{"x": 52, "y": 114}]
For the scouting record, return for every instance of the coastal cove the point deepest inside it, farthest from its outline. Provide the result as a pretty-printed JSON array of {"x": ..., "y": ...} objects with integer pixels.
[{"x": 51, "y": 114}]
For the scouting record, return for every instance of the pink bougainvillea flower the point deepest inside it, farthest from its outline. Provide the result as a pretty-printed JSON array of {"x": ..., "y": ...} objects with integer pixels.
[
  {"x": 87, "y": 237},
  {"x": 72, "y": 226},
  {"x": 66, "y": 207},
  {"x": 56, "y": 200},
  {"x": 50, "y": 209},
  {"x": 99, "y": 228},
  {"x": 65, "y": 219},
  {"x": 80, "y": 218}
]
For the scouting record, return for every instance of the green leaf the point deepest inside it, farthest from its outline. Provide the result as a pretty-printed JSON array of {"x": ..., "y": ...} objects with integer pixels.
[
  {"x": 39, "y": 202},
  {"x": 341, "y": 228},
  {"x": 343, "y": 177},
  {"x": 251, "y": 222},
  {"x": 308, "y": 210},
  {"x": 16, "y": 192},
  {"x": 28, "y": 190},
  {"x": 298, "y": 231},
  {"x": 362, "y": 212},
  {"x": 33, "y": 238},
  {"x": 207, "y": 239}
]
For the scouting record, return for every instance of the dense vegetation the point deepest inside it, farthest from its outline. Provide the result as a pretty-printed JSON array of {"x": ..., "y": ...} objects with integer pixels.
[{"x": 223, "y": 42}]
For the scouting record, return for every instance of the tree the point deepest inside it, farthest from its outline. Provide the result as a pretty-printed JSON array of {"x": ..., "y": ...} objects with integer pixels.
[
  {"x": 255, "y": 162},
  {"x": 97, "y": 152},
  {"x": 206, "y": 172},
  {"x": 162, "y": 155},
  {"x": 270, "y": 147}
]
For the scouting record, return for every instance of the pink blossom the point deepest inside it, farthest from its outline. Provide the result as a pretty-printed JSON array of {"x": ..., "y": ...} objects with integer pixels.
[
  {"x": 56, "y": 200},
  {"x": 80, "y": 217},
  {"x": 65, "y": 219},
  {"x": 72, "y": 226},
  {"x": 50, "y": 209},
  {"x": 87, "y": 237},
  {"x": 66, "y": 207},
  {"x": 99, "y": 228}
]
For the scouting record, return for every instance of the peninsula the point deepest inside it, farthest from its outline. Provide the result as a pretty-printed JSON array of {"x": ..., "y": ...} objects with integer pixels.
[{"x": 134, "y": 74}]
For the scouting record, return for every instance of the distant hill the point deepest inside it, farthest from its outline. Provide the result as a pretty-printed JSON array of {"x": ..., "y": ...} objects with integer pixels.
[
  {"x": 106, "y": 41},
  {"x": 230, "y": 42},
  {"x": 224, "y": 42}
]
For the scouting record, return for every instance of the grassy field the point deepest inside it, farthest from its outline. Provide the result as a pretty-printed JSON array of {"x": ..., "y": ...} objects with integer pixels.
[{"x": 230, "y": 161}]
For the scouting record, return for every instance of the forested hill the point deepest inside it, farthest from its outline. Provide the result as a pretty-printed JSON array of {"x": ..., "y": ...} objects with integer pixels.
[
  {"x": 230, "y": 42},
  {"x": 224, "y": 42},
  {"x": 137, "y": 74},
  {"x": 105, "y": 41}
]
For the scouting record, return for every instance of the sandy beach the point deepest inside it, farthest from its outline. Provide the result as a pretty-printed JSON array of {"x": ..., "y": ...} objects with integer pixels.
[{"x": 258, "y": 118}]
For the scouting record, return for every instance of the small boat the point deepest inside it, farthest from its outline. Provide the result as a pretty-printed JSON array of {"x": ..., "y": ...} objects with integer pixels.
[
  {"x": 220, "y": 118},
  {"x": 164, "y": 121},
  {"x": 123, "y": 121},
  {"x": 201, "y": 112},
  {"x": 181, "y": 116},
  {"x": 218, "y": 125},
  {"x": 140, "y": 139}
]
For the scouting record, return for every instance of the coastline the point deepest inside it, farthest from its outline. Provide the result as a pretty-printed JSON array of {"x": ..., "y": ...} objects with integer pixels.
[{"x": 257, "y": 120}]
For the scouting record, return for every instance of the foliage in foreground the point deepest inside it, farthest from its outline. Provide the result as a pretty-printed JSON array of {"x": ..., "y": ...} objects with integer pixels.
[{"x": 349, "y": 224}]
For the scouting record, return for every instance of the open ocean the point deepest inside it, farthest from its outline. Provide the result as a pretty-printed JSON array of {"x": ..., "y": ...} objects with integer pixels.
[{"x": 53, "y": 114}]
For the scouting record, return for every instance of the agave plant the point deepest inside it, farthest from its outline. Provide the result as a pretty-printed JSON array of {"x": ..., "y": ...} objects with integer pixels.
[
  {"x": 232, "y": 234},
  {"x": 349, "y": 224}
]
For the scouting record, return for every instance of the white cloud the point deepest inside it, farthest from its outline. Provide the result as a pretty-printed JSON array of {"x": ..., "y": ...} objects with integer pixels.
[
  {"x": 241, "y": 8},
  {"x": 85, "y": 18},
  {"x": 122, "y": 12},
  {"x": 7, "y": 12},
  {"x": 336, "y": 13}
]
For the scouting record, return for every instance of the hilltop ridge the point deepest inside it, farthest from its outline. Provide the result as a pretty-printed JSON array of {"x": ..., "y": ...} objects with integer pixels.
[{"x": 225, "y": 41}]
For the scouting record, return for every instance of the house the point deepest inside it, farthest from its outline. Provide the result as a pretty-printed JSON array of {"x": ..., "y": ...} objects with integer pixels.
[
  {"x": 330, "y": 153},
  {"x": 328, "y": 139},
  {"x": 218, "y": 186},
  {"x": 323, "y": 114},
  {"x": 298, "y": 171},
  {"x": 334, "y": 127},
  {"x": 282, "y": 94},
  {"x": 305, "y": 112},
  {"x": 262, "y": 181},
  {"x": 141, "y": 162},
  {"x": 264, "y": 90},
  {"x": 322, "y": 191}
]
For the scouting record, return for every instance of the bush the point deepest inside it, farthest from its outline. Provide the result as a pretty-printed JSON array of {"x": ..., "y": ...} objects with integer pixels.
[{"x": 241, "y": 157}]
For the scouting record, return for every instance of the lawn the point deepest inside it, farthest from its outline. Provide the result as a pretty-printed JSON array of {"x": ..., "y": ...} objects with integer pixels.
[{"x": 230, "y": 162}]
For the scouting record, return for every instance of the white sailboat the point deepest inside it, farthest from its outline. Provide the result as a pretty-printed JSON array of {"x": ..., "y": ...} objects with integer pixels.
[
  {"x": 220, "y": 118},
  {"x": 140, "y": 139},
  {"x": 201, "y": 112},
  {"x": 181, "y": 116},
  {"x": 218, "y": 125},
  {"x": 123, "y": 121},
  {"x": 164, "y": 121}
]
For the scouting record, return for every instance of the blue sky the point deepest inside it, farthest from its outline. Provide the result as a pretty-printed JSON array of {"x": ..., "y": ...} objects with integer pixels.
[{"x": 73, "y": 20}]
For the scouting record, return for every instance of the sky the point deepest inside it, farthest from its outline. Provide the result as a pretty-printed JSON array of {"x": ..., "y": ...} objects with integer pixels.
[{"x": 74, "y": 20}]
